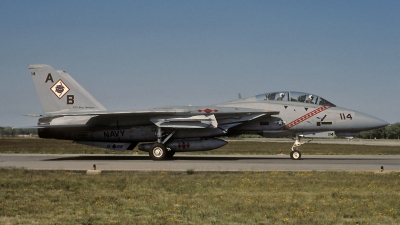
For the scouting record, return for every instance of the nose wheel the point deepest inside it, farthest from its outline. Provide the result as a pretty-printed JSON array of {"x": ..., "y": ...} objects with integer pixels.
[{"x": 295, "y": 155}]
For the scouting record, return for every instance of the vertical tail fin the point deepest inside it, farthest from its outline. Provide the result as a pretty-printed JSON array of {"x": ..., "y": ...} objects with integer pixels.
[{"x": 60, "y": 93}]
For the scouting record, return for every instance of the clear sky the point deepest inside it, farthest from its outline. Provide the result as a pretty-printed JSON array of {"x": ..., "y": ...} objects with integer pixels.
[{"x": 143, "y": 54}]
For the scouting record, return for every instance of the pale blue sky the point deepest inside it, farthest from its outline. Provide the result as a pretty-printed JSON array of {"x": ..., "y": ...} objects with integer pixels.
[{"x": 143, "y": 54}]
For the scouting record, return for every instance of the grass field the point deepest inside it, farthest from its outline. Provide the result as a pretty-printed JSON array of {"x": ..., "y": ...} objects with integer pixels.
[
  {"x": 65, "y": 197},
  {"x": 50, "y": 146},
  {"x": 61, "y": 197}
]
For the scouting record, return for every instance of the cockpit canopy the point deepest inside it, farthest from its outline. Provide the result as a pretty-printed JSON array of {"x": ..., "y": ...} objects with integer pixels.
[{"x": 294, "y": 97}]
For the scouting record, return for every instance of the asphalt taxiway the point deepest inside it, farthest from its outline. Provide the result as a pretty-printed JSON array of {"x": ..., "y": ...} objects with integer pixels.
[{"x": 221, "y": 163}]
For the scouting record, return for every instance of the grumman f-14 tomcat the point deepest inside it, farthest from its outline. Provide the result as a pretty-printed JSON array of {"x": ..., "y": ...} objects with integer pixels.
[{"x": 71, "y": 113}]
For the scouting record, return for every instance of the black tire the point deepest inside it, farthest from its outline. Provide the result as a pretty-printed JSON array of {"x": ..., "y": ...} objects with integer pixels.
[
  {"x": 170, "y": 154},
  {"x": 295, "y": 155},
  {"x": 158, "y": 152}
]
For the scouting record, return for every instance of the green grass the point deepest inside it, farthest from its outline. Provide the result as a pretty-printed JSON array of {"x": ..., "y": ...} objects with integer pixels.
[
  {"x": 62, "y": 197},
  {"x": 50, "y": 146},
  {"x": 47, "y": 146},
  {"x": 191, "y": 197}
]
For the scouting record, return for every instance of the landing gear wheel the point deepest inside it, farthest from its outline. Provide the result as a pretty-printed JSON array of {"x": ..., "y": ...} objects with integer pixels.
[
  {"x": 158, "y": 152},
  {"x": 295, "y": 155}
]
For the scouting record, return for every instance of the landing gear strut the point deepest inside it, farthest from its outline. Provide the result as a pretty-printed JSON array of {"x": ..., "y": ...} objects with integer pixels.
[
  {"x": 296, "y": 154},
  {"x": 158, "y": 151}
]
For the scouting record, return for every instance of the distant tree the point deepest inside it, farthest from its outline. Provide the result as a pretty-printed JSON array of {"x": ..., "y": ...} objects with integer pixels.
[
  {"x": 394, "y": 131},
  {"x": 388, "y": 132},
  {"x": 364, "y": 134},
  {"x": 27, "y": 131},
  {"x": 9, "y": 131}
]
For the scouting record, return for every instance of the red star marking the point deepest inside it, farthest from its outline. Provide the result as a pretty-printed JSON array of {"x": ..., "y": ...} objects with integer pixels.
[
  {"x": 199, "y": 110},
  {"x": 183, "y": 145},
  {"x": 215, "y": 110},
  {"x": 207, "y": 110}
]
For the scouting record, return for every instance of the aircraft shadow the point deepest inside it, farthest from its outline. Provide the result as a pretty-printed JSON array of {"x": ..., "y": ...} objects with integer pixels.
[
  {"x": 343, "y": 159},
  {"x": 147, "y": 158},
  {"x": 200, "y": 158}
]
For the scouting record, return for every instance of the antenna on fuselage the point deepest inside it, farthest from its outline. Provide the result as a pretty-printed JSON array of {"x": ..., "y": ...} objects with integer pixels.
[{"x": 240, "y": 96}]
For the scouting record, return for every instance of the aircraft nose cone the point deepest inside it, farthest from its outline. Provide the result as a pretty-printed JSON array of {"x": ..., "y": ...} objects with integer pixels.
[{"x": 368, "y": 122}]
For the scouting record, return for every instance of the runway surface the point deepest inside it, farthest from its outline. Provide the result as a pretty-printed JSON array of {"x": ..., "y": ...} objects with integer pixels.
[
  {"x": 373, "y": 142},
  {"x": 201, "y": 163}
]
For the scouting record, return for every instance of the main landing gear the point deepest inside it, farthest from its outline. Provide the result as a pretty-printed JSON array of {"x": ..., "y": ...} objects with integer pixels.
[
  {"x": 158, "y": 151},
  {"x": 295, "y": 154}
]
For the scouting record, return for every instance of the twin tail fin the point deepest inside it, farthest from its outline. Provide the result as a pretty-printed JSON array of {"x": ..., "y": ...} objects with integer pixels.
[{"x": 59, "y": 93}]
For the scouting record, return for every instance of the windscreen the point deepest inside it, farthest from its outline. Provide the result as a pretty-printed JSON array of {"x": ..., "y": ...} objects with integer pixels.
[{"x": 294, "y": 97}]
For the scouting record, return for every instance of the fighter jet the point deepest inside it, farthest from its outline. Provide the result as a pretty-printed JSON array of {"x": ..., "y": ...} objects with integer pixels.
[{"x": 71, "y": 113}]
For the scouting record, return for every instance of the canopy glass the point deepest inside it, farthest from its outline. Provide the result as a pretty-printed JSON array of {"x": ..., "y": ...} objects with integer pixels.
[{"x": 294, "y": 97}]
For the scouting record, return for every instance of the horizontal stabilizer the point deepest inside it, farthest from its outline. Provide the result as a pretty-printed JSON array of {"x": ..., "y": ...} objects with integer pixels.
[{"x": 34, "y": 115}]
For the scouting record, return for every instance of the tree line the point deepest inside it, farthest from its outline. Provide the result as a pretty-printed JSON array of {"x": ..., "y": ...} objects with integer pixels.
[
  {"x": 388, "y": 132},
  {"x": 9, "y": 131}
]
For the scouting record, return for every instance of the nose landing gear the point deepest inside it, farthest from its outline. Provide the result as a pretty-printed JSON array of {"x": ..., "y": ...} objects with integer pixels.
[{"x": 295, "y": 154}]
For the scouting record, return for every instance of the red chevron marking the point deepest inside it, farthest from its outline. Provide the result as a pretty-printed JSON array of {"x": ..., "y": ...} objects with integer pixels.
[{"x": 305, "y": 117}]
